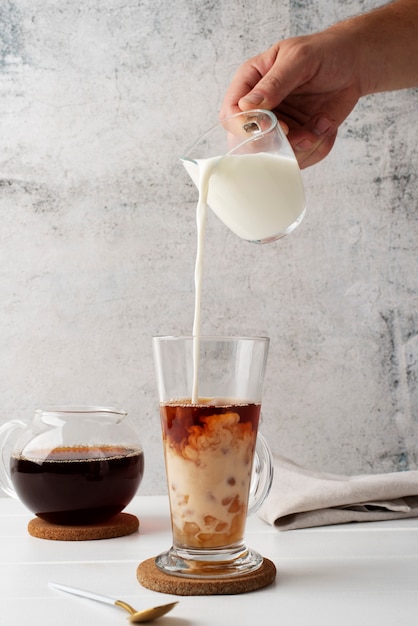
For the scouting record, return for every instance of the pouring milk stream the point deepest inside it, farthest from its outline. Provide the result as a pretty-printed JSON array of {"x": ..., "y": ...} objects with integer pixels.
[{"x": 255, "y": 188}]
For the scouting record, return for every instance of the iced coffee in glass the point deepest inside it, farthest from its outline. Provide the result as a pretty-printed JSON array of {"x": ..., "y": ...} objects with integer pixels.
[{"x": 210, "y": 443}]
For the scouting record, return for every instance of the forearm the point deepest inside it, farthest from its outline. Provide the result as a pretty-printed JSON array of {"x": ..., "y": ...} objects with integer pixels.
[{"x": 386, "y": 42}]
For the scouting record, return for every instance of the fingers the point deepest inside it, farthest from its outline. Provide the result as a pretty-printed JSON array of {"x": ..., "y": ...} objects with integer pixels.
[
  {"x": 313, "y": 141},
  {"x": 267, "y": 79},
  {"x": 249, "y": 91},
  {"x": 244, "y": 80},
  {"x": 281, "y": 80},
  {"x": 268, "y": 93},
  {"x": 244, "y": 93}
]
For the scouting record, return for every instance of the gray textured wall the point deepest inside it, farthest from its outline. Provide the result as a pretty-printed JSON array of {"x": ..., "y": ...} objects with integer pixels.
[{"x": 97, "y": 100}]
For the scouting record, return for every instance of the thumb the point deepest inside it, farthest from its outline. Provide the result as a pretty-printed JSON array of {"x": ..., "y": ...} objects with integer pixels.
[
  {"x": 267, "y": 94},
  {"x": 275, "y": 85}
]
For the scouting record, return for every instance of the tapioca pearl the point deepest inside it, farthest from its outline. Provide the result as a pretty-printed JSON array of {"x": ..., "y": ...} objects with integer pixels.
[{"x": 231, "y": 481}]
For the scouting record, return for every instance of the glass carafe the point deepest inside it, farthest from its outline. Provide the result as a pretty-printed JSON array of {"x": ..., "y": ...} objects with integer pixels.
[{"x": 72, "y": 465}]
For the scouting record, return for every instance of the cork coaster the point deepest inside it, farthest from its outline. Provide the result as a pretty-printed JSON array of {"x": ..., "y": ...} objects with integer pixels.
[
  {"x": 151, "y": 577},
  {"x": 118, "y": 526}
]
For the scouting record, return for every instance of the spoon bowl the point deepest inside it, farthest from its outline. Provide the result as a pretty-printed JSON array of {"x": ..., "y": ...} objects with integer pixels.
[
  {"x": 146, "y": 615},
  {"x": 136, "y": 617}
]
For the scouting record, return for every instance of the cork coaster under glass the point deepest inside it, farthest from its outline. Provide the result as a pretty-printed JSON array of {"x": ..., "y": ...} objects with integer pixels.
[
  {"x": 151, "y": 577},
  {"x": 118, "y": 526}
]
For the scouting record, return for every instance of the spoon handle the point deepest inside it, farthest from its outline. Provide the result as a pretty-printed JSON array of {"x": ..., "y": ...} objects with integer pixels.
[{"x": 83, "y": 593}]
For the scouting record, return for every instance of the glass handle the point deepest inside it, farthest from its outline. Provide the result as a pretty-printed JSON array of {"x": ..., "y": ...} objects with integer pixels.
[
  {"x": 262, "y": 476},
  {"x": 8, "y": 437}
]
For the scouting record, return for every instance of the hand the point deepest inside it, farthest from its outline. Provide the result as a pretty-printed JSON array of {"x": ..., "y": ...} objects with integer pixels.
[{"x": 311, "y": 83}]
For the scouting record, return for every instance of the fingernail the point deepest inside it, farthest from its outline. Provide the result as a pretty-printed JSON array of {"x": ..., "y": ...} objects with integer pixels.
[
  {"x": 322, "y": 126},
  {"x": 254, "y": 98}
]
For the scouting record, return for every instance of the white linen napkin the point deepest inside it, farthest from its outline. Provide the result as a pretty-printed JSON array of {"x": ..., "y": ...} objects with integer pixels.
[{"x": 300, "y": 498}]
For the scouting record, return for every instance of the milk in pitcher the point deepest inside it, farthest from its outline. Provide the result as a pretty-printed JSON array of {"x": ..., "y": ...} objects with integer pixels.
[{"x": 259, "y": 196}]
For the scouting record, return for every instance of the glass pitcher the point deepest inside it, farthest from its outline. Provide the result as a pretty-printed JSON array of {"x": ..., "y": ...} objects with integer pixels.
[
  {"x": 72, "y": 465},
  {"x": 246, "y": 172}
]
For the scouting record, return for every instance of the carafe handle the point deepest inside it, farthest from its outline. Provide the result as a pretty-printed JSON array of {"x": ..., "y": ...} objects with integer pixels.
[
  {"x": 262, "y": 476},
  {"x": 8, "y": 437}
]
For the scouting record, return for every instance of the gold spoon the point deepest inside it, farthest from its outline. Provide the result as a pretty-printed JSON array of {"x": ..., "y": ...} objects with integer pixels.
[{"x": 146, "y": 615}]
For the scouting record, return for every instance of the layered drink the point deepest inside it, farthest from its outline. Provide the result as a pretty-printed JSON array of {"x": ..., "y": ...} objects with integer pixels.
[{"x": 209, "y": 450}]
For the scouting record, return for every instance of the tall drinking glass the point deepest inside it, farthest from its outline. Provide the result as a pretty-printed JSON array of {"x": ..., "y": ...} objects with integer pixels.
[{"x": 219, "y": 469}]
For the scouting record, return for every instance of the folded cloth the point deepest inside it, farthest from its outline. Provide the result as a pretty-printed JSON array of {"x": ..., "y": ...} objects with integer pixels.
[{"x": 300, "y": 498}]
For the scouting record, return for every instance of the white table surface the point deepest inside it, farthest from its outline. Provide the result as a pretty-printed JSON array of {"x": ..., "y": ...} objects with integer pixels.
[{"x": 338, "y": 575}]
